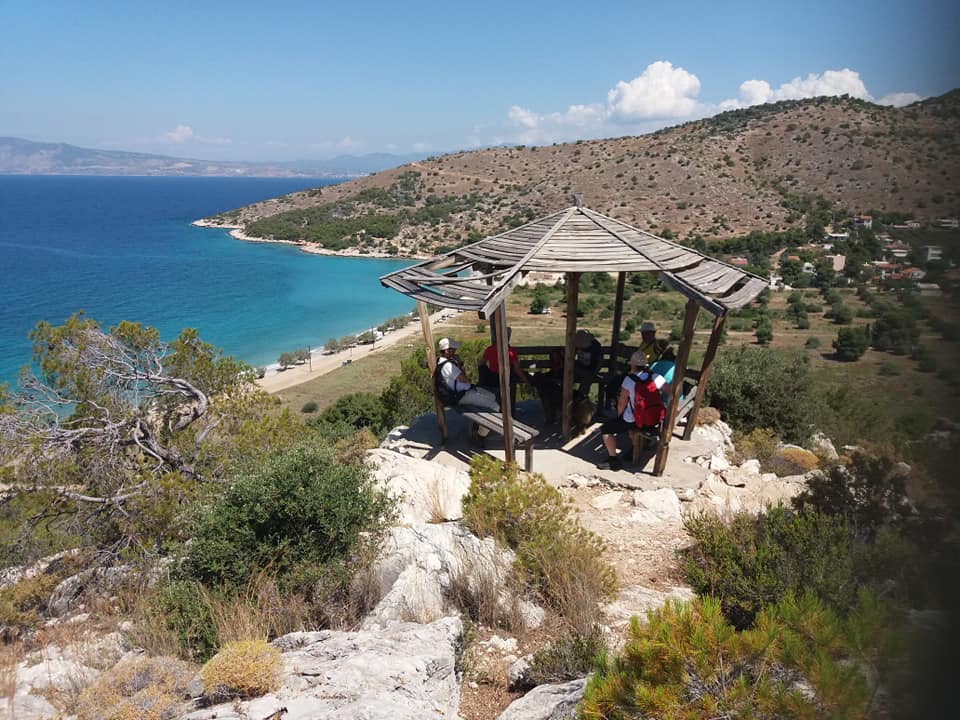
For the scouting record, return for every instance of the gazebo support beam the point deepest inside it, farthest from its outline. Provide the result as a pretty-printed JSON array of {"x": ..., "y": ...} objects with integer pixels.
[
  {"x": 617, "y": 318},
  {"x": 503, "y": 356},
  {"x": 573, "y": 297},
  {"x": 663, "y": 449},
  {"x": 712, "y": 346},
  {"x": 432, "y": 364}
]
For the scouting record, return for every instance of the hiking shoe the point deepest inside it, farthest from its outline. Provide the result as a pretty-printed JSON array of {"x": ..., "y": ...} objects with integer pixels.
[{"x": 612, "y": 463}]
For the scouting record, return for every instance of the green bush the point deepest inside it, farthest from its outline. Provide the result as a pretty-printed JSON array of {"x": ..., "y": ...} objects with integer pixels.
[
  {"x": 852, "y": 343},
  {"x": 761, "y": 388},
  {"x": 812, "y": 342},
  {"x": 300, "y": 516},
  {"x": 556, "y": 556},
  {"x": 309, "y": 407},
  {"x": 751, "y": 562},
  {"x": 571, "y": 656},
  {"x": 688, "y": 663},
  {"x": 356, "y": 410}
]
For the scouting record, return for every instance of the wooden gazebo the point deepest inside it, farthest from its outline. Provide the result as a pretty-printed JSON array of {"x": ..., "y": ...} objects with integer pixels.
[{"x": 481, "y": 275}]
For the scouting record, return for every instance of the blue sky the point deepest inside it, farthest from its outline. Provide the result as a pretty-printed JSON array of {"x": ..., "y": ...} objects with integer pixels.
[{"x": 301, "y": 80}]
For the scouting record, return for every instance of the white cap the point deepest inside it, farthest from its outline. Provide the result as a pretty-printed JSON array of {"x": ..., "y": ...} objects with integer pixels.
[
  {"x": 447, "y": 343},
  {"x": 648, "y": 327},
  {"x": 638, "y": 359}
]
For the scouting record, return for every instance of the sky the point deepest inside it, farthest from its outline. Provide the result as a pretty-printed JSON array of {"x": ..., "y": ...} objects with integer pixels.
[{"x": 294, "y": 80}]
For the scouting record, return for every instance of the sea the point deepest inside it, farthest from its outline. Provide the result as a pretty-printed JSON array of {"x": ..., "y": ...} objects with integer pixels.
[{"x": 123, "y": 248}]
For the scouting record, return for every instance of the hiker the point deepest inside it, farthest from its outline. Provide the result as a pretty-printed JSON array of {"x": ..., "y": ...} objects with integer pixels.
[
  {"x": 639, "y": 407},
  {"x": 453, "y": 387},
  {"x": 651, "y": 346},
  {"x": 488, "y": 370},
  {"x": 589, "y": 355}
]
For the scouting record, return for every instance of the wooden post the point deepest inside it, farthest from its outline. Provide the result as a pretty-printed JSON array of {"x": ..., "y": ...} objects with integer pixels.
[
  {"x": 573, "y": 295},
  {"x": 689, "y": 323},
  {"x": 503, "y": 356},
  {"x": 432, "y": 365},
  {"x": 614, "y": 336},
  {"x": 705, "y": 373}
]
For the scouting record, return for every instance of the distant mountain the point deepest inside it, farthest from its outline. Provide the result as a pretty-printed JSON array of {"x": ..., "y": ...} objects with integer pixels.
[
  {"x": 25, "y": 157},
  {"x": 764, "y": 168}
]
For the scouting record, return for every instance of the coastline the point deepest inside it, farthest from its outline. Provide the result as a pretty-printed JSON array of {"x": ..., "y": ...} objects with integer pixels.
[
  {"x": 236, "y": 232},
  {"x": 320, "y": 364}
]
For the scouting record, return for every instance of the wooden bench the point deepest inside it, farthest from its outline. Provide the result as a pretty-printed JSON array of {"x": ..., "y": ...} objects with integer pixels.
[
  {"x": 639, "y": 440},
  {"x": 523, "y": 435}
]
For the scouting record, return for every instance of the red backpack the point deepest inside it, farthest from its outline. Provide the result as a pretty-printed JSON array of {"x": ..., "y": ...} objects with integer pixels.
[{"x": 648, "y": 409}]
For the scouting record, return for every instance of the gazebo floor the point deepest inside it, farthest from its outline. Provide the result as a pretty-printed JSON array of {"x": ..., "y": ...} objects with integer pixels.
[{"x": 556, "y": 460}]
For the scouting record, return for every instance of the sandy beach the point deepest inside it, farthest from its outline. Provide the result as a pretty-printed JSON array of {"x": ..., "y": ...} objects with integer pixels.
[{"x": 276, "y": 380}]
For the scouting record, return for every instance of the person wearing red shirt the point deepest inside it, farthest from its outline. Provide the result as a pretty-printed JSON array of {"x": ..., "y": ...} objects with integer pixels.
[{"x": 489, "y": 370}]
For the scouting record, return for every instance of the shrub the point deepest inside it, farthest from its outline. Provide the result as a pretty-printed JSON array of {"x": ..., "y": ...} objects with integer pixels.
[
  {"x": 357, "y": 410},
  {"x": 300, "y": 514},
  {"x": 758, "y": 444},
  {"x": 761, "y": 388},
  {"x": 242, "y": 669},
  {"x": 888, "y": 368},
  {"x": 571, "y": 656},
  {"x": 801, "y": 661},
  {"x": 869, "y": 492},
  {"x": 556, "y": 556},
  {"x": 309, "y": 407},
  {"x": 146, "y": 688},
  {"x": 812, "y": 342},
  {"x": 752, "y": 562},
  {"x": 791, "y": 461}
]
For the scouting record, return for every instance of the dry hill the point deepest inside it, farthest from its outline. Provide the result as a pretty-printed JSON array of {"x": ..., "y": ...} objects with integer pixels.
[{"x": 744, "y": 170}]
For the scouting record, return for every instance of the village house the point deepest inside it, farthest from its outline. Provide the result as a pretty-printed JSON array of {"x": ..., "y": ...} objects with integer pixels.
[
  {"x": 838, "y": 262},
  {"x": 863, "y": 222},
  {"x": 739, "y": 262},
  {"x": 898, "y": 249},
  {"x": 947, "y": 223},
  {"x": 934, "y": 253}
]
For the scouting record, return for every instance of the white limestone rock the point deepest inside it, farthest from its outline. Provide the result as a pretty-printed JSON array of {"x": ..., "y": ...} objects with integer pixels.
[
  {"x": 402, "y": 671},
  {"x": 547, "y": 702},
  {"x": 663, "y": 504},
  {"x": 639, "y": 600},
  {"x": 418, "y": 564},
  {"x": 607, "y": 501},
  {"x": 426, "y": 491},
  {"x": 823, "y": 447}
]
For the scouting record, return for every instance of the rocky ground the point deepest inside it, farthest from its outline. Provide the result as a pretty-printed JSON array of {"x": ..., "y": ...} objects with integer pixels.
[{"x": 414, "y": 656}]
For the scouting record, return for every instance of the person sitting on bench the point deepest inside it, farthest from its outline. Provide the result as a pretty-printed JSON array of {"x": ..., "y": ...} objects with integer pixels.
[
  {"x": 626, "y": 419},
  {"x": 488, "y": 370},
  {"x": 453, "y": 387},
  {"x": 587, "y": 359}
]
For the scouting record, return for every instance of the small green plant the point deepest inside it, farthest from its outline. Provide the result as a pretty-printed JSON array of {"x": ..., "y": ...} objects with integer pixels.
[
  {"x": 309, "y": 407},
  {"x": 569, "y": 657},
  {"x": 812, "y": 342},
  {"x": 689, "y": 663},
  {"x": 751, "y": 562},
  {"x": 758, "y": 444},
  {"x": 556, "y": 556},
  {"x": 242, "y": 669}
]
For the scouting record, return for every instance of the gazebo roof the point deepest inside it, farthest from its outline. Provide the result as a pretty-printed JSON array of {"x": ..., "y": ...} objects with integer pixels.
[{"x": 480, "y": 275}]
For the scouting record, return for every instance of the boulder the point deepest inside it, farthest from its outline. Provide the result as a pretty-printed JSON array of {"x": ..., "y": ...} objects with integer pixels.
[
  {"x": 418, "y": 566},
  {"x": 426, "y": 491},
  {"x": 823, "y": 447},
  {"x": 518, "y": 674},
  {"x": 547, "y": 702},
  {"x": 607, "y": 501},
  {"x": 662, "y": 504},
  {"x": 639, "y": 600},
  {"x": 401, "y": 671}
]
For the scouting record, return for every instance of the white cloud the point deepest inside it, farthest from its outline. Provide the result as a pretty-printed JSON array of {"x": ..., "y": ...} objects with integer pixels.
[
  {"x": 661, "y": 91},
  {"x": 180, "y": 134},
  {"x": 900, "y": 99},
  {"x": 831, "y": 82},
  {"x": 421, "y": 146},
  {"x": 184, "y": 133}
]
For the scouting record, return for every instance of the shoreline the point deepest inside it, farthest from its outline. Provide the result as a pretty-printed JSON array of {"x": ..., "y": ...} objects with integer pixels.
[
  {"x": 236, "y": 232},
  {"x": 321, "y": 363}
]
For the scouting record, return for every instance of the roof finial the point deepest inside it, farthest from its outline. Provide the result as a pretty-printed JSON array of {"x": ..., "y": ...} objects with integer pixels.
[{"x": 578, "y": 199}]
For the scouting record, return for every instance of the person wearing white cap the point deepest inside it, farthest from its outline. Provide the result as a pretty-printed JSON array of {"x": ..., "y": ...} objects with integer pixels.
[
  {"x": 453, "y": 386},
  {"x": 641, "y": 382},
  {"x": 652, "y": 347}
]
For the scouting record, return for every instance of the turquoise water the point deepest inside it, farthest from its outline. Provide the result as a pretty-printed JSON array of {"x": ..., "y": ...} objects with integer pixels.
[{"x": 124, "y": 249}]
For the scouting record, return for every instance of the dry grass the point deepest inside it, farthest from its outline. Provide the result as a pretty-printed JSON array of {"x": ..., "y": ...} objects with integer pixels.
[
  {"x": 480, "y": 593},
  {"x": 140, "y": 689},
  {"x": 242, "y": 669},
  {"x": 11, "y": 654}
]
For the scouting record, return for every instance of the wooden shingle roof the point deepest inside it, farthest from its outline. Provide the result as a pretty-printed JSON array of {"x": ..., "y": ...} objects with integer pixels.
[{"x": 480, "y": 275}]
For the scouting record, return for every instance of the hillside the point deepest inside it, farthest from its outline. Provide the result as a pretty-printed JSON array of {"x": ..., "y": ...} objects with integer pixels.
[{"x": 740, "y": 171}]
